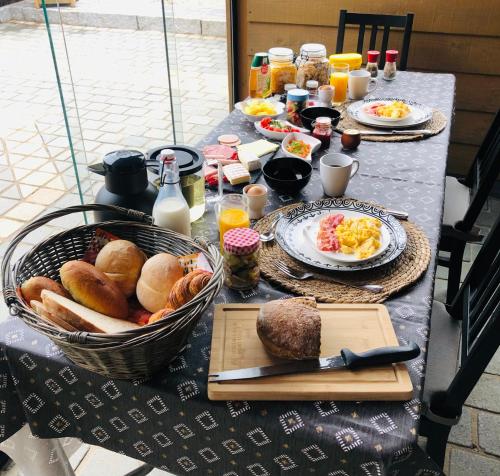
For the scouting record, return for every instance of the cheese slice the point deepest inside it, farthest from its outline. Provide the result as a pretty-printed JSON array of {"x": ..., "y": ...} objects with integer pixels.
[
  {"x": 259, "y": 147},
  {"x": 236, "y": 174},
  {"x": 249, "y": 160},
  {"x": 81, "y": 317}
]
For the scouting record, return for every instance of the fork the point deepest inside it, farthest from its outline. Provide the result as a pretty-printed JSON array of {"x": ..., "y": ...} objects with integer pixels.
[{"x": 302, "y": 275}]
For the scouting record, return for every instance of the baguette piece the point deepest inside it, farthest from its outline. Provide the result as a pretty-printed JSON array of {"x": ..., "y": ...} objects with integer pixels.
[
  {"x": 290, "y": 328},
  {"x": 81, "y": 317}
]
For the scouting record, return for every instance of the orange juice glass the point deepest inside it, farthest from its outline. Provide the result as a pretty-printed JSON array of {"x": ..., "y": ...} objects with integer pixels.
[
  {"x": 338, "y": 79},
  {"x": 231, "y": 212}
]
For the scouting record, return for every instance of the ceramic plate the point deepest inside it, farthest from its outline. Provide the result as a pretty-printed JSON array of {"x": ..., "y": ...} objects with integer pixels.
[
  {"x": 311, "y": 231},
  {"x": 277, "y": 135},
  {"x": 295, "y": 234},
  {"x": 418, "y": 116}
]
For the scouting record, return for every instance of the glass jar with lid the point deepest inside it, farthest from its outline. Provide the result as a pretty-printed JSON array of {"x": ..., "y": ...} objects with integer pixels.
[
  {"x": 241, "y": 258},
  {"x": 312, "y": 63},
  {"x": 322, "y": 131},
  {"x": 283, "y": 71}
]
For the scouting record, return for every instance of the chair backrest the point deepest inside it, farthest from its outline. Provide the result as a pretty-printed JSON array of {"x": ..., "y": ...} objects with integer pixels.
[
  {"x": 482, "y": 174},
  {"x": 477, "y": 304},
  {"x": 377, "y": 21}
]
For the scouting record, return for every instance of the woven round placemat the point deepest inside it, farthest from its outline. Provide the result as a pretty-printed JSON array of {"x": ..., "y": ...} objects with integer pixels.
[
  {"x": 436, "y": 124},
  {"x": 402, "y": 272}
]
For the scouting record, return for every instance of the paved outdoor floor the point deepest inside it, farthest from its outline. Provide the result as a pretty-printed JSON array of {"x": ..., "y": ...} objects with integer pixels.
[{"x": 122, "y": 97}]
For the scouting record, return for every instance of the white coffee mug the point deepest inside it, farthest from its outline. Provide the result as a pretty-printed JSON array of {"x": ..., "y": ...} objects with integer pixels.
[
  {"x": 335, "y": 171},
  {"x": 358, "y": 83}
]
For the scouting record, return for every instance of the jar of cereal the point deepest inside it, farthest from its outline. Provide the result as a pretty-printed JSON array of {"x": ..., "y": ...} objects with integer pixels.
[
  {"x": 283, "y": 71},
  {"x": 241, "y": 258},
  {"x": 312, "y": 64}
]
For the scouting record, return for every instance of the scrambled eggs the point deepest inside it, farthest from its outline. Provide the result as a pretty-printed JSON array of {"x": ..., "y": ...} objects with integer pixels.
[
  {"x": 259, "y": 108},
  {"x": 394, "y": 110},
  {"x": 359, "y": 236}
]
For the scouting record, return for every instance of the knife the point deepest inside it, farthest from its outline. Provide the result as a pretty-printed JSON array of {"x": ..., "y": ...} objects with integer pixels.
[
  {"x": 413, "y": 132},
  {"x": 346, "y": 360}
]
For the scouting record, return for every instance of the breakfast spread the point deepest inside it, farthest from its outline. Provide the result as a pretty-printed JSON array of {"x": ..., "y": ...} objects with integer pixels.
[
  {"x": 290, "y": 328},
  {"x": 392, "y": 110},
  {"x": 358, "y": 236},
  {"x": 299, "y": 147}
]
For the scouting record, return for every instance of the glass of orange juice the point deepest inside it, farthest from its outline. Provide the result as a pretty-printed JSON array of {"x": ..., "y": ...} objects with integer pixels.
[
  {"x": 231, "y": 212},
  {"x": 338, "y": 79}
]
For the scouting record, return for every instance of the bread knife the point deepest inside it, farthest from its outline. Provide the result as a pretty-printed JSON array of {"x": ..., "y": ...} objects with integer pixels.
[{"x": 346, "y": 360}]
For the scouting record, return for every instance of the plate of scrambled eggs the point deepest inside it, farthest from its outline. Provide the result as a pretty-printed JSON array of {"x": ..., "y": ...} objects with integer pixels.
[
  {"x": 389, "y": 113},
  {"x": 340, "y": 234},
  {"x": 347, "y": 236}
]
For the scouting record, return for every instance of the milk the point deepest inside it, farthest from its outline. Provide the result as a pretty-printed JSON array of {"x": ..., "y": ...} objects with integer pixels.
[{"x": 173, "y": 213}]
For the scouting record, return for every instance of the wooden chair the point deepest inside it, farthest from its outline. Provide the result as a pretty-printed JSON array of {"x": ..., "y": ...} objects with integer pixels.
[
  {"x": 464, "y": 200},
  {"x": 463, "y": 339},
  {"x": 377, "y": 21}
]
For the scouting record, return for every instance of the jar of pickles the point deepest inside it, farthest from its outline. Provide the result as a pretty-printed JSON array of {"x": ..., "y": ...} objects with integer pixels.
[
  {"x": 312, "y": 64},
  {"x": 241, "y": 258},
  {"x": 283, "y": 70}
]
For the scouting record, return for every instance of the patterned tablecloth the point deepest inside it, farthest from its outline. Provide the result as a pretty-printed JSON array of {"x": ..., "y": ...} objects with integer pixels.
[{"x": 169, "y": 422}]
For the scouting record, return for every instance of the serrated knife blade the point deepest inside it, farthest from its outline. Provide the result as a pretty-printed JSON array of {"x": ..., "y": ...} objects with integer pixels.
[{"x": 346, "y": 360}]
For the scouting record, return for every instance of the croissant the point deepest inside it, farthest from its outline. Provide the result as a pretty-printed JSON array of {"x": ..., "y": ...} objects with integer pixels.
[
  {"x": 188, "y": 287},
  {"x": 160, "y": 314}
]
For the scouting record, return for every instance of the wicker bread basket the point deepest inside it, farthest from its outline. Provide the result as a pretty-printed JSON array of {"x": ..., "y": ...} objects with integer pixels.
[{"x": 134, "y": 354}]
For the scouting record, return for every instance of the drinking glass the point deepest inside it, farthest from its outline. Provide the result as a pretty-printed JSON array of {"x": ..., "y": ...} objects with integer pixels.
[
  {"x": 231, "y": 212},
  {"x": 338, "y": 79}
]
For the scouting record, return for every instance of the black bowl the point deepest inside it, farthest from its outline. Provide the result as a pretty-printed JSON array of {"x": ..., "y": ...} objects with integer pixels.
[
  {"x": 310, "y": 114},
  {"x": 287, "y": 174}
]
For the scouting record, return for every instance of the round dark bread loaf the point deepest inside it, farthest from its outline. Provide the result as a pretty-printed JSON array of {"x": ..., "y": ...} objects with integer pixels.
[{"x": 290, "y": 328}]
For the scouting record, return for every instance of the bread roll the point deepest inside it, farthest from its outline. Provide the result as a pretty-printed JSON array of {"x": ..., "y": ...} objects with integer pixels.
[
  {"x": 188, "y": 287},
  {"x": 92, "y": 288},
  {"x": 290, "y": 328},
  {"x": 121, "y": 261},
  {"x": 158, "y": 275},
  {"x": 81, "y": 317},
  {"x": 160, "y": 314},
  {"x": 32, "y": 288}
]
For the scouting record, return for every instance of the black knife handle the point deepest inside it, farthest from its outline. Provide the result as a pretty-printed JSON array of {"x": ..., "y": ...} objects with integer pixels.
[{"x": 380, "y": 356}]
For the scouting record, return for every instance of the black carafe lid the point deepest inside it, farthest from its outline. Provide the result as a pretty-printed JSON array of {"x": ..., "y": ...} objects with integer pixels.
[{"x": 124, "y": 172}]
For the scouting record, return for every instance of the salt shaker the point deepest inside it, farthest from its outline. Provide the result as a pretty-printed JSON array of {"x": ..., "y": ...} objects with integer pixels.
[
  {"x": 372, "y": 63},
  {"x": 390, "y": 65}
]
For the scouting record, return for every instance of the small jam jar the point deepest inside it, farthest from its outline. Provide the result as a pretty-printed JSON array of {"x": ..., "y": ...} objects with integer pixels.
[
  {"x": 241, "y": 258},
  {"x": 323, "y": 131}
]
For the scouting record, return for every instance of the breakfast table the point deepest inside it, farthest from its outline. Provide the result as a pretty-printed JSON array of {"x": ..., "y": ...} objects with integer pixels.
[{"x": 169, "y": 422}]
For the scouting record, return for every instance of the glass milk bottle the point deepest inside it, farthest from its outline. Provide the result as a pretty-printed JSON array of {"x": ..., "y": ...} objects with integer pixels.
[{"x": 171, "y": 210}]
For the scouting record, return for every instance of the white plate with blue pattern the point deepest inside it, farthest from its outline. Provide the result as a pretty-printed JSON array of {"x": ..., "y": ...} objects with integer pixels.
[{"x": 294, "y": 236}]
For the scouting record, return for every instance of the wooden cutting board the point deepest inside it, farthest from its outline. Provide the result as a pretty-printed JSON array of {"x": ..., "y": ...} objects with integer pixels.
[{"x": 235, "y": 344}]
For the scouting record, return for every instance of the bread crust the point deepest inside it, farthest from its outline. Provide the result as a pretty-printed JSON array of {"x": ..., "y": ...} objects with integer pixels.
[
  {"x": 290, "y": 328},
  {"x": 92, "y": 288},
  {"x": 121, "y": 261}
]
